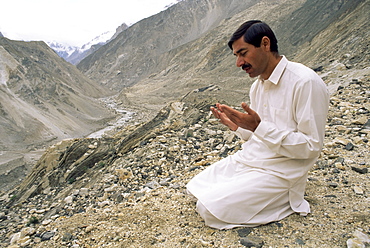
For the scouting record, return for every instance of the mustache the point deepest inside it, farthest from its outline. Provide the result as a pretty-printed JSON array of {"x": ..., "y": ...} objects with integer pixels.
[{"x": 245, "y": 66}]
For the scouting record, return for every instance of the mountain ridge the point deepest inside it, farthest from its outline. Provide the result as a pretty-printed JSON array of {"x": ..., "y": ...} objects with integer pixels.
[
  {"x": 74, "y": 54},
  {"x": 128, "y": 64},
  {"x": 43, "y": 99},
  {"x": 161, "y": 72}
]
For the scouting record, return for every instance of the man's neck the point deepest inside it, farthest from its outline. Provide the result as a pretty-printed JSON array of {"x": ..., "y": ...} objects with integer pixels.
[{"x": 273, "y": 62}]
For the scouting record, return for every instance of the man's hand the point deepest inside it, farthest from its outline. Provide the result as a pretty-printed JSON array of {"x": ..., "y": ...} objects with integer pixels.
[
  {"x": 223, "y": 117},
  {"x": 249, "y": 120}
]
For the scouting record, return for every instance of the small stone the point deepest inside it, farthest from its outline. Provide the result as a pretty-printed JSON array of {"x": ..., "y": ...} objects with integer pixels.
[
  {"x": 252, "y": 242},
  {"x": 162, "y": 139},
  {"x": 25, "y": 241},
  {"x": 188, "y": 133},
  {"x": 37, "y": 239},
  {"x": 244, "y": 232},
  {"x": 174, "y": 148},
  {"x": 358, "y": 140},
  {"x": 103, "y": 204},
  {"x": 55, "y": 217},
  {"x": 83, "y": 191},
  {"x": 335, "y": 170},
  {"x": 278, "y": 224},
  {"x": 118, "y": 197},
  {"x": 123, "y": 174},
  {"x": 340, "y": 66},
  {"x": 359, "y": 170},
  {"x": 300, "y": 241},
  {"x": 229, "y": 137},
  {"x": 111, "y": 189},
  {"x": 355, "y": 243},
  {"x": 152, "y": 185},
  {"x": 339, "y": 166},
  {"x": 205, "y": 243},
  {"x": 15, "y": 238},
  {"x": 46, "y": 222},
  {"x": 341, "y": 141},
  {"x": 164, "y": 182},
  {"x": 40, "y": 211},
  {"x": 361, "y": 236},
  {"x": 333, "y": 185},
  {"x": 211, "y": 132},
  {"x": 28, "y": 231},
  {"x": 47, "y": 235},
  {"x": 358, "y": 190},
  {"x": 92, "y": 147},
  {"x": 89, "y": 229},
  {"x": 360, "y": 240},
  {"x": 68, "y": 199},
  {"x": 349, "y": 146},
  {"x": 360, "y": 121},
  {"x": 175, "y": 186},
  {"x": 366, "y": 125},
  {"x": 195, "y": 167},
  {"x": 67, "y": 237},
  {"x": 341, "y": 128},
  {"x": 177, "y": 107},
  {"x": 3, "y": 217}
]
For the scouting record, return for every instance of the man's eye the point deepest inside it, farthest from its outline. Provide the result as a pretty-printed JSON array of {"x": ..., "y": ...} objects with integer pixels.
[{"x": 243, "y": 54}]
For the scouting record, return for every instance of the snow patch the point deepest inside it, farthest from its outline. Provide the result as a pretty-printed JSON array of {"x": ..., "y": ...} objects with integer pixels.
[{"x": 103, "y": 38}]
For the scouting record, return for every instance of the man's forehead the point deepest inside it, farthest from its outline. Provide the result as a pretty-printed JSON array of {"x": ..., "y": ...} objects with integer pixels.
[{"x": 240, "y": 45}]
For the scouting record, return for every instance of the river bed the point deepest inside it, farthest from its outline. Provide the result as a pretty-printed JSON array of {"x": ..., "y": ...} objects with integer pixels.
[{"x": 123, "y": 116}]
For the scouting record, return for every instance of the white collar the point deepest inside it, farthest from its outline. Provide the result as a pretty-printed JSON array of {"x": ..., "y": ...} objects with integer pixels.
[{"x": 277, "y": 72}]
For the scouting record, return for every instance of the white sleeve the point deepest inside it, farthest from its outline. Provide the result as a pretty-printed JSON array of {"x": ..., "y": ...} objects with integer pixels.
[{"x": 244, "y": 134}]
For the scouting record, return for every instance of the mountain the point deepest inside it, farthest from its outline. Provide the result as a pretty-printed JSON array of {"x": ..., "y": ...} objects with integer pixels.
[
  {"x": 163, "y": 57},
  {"x": 63, "y": 51},
  {"x": 152, "y": 64},
  {"x": 42, "y": 99},
  {"x": 142, "y": 49},
  {"x": 75, "y": 54}
]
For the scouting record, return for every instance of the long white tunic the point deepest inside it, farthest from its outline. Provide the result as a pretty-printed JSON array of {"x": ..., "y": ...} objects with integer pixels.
[{"x": 254, "y": 185}]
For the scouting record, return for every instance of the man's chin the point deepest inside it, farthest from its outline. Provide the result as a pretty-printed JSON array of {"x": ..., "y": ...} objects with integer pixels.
[{"x": 251, "y": 75}]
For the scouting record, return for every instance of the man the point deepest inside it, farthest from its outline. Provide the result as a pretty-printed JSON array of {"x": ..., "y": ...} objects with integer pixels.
[{"x": 283, "y": 128}]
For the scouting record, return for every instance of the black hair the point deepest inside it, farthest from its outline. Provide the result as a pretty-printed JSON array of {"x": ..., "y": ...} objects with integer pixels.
[{"x": 253, "y": 31}]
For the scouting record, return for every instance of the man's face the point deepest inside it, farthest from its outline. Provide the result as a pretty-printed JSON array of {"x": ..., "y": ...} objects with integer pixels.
[{"x": 253, "y": 60}]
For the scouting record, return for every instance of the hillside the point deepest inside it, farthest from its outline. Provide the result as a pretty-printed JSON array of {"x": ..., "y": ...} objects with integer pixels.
[
  {"x": 167, "y": 63},
  {"x": 43, "y": 99},
  {"x": 141, "y": 50},
  {"x": 128, "y": 190}
]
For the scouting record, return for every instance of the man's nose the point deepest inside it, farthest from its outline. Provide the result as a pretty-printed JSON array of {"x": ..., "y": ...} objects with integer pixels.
[{"x": 239, "y": 61}]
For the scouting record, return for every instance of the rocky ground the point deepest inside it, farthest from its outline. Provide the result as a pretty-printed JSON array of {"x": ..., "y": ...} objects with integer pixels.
[{"x": 140, "y": 200}]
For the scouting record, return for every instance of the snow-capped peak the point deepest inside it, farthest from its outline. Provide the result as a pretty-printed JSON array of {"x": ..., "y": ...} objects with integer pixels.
[
  {"x": 103, "y": 38},
  {"x": 75, "y": 54},
  {"x": 62, "y": 50}
]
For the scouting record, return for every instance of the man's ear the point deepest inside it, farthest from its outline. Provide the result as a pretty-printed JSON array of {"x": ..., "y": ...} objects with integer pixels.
[{"x": 265, "y": 43}]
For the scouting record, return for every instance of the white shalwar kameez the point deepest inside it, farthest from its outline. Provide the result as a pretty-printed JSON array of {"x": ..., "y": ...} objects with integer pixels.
[{"x": 265, "y": 181}]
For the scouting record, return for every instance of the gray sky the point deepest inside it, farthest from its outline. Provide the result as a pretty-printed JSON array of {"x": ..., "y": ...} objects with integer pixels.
[{"x": 72, "y": 22}]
